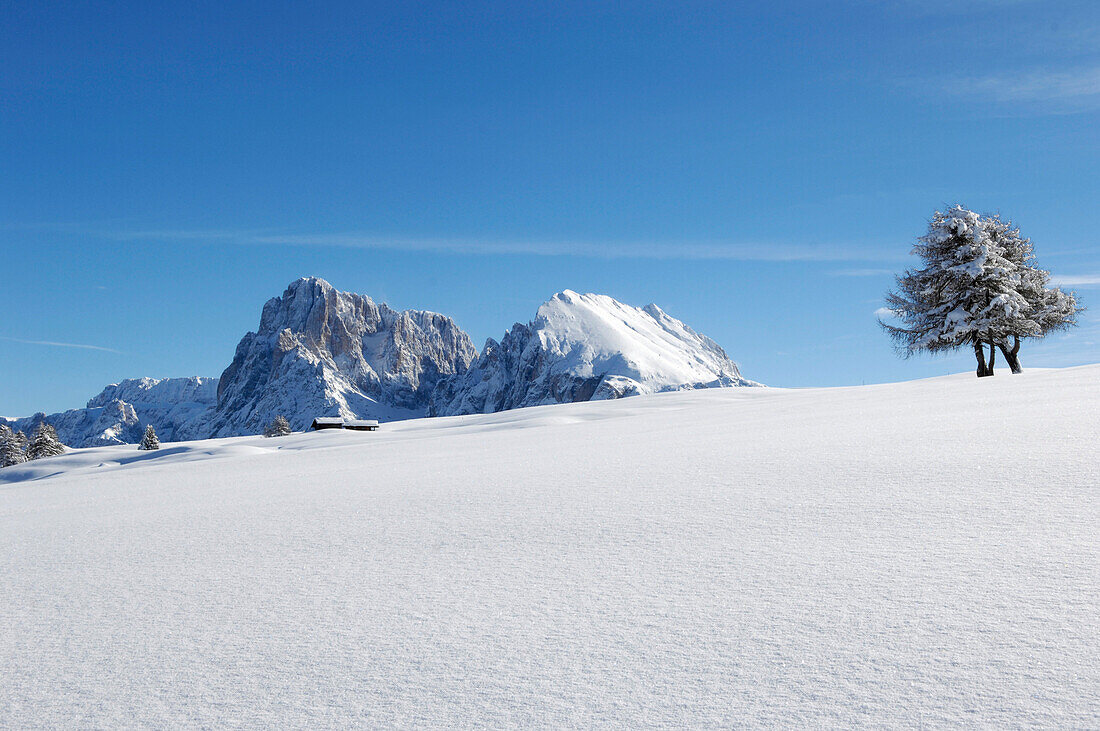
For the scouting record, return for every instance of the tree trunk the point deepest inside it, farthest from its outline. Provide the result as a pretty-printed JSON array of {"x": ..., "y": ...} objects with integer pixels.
[
  {"x": 979, "y": 353},
  {"x": 992, "y": 358},
  {"x": 1011, "y": 356}
]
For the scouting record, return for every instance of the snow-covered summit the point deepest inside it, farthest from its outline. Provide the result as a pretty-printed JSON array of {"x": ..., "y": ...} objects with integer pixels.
[
  {"x": 591, "y": 333},
  {"x": 583, "y": 347}
]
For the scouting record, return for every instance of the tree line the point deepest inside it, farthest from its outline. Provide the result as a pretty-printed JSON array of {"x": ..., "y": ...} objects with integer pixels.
[{"x": 16, "y": 448}]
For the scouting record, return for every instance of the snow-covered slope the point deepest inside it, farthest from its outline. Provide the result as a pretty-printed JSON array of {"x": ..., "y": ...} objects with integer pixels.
[
  {"x": 584, "y": 347},
  {"x": 321, "y": 352},
  {"x": 120, "y": 412},
  {"x": 914, "y": 554}
]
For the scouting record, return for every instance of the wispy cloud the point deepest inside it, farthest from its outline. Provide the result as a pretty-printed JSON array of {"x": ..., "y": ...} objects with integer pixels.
[
  {"x": 55, "y": 344},
  {"x": 1058, "y": 91},
  {"x": 884, "y": 313},
  {"x": 1076, "y": 280},
  {"x": 863, "y": 272},
  {"x": 645, "y": 249}
]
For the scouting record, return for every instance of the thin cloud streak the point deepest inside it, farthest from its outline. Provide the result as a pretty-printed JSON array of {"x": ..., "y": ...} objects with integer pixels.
[
  {"x": 775, "y": 252},
  {"x": 863, "y": 272},
  {"x": 1076, "y": 280},
  {"x": 55, "y": 344},
  {"x": 1055, "y": 91}
]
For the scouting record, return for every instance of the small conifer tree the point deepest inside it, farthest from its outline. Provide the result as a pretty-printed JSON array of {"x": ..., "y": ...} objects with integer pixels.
[
  {"x": 279, "y": 427},
  {"x": 44, "y": 443},
  {"x": 11, "y": 450},
  {"x": 149, "y": 441}
]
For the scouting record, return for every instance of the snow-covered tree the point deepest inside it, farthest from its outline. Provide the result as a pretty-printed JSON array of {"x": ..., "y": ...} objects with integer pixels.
[
  {"x": 1051, "y": 309},
  {"x": 279, "y": 427},
  {"x": 979, "y": 286},
  {"x": 11, "y": 450},
  {"x": 44, "y": 443},
  {"x": 149, "y": 441}
]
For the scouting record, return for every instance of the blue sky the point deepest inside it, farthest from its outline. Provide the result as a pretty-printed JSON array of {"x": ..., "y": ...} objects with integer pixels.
[{"x": 757, "y": 169}]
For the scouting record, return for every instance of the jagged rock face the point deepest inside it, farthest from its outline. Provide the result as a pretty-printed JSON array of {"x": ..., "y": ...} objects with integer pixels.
[
  {"x": 120, "y": 412},
  {"x": 320, "y": 352},
  {"x": 586, "y": 347}
]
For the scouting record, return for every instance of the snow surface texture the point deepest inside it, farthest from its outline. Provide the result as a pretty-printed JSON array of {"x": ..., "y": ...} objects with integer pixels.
[
  {"x": 583, "y": 347},
  {"x": 922, "y": 553},
  {"x": 322, "y": 352}
]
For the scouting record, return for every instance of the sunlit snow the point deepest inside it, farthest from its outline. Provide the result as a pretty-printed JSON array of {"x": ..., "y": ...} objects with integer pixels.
[{"x": 915, "y": 553}]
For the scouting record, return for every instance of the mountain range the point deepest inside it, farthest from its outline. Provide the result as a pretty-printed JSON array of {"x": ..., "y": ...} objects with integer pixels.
[{"x": 322, "y": 352}]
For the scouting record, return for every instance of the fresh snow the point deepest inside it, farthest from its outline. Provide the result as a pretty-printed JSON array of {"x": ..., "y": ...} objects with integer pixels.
[
  {"x": 922, "y": 553},
  {"x": 583, "y": 347},
  {"x": 591, "y": 332}
]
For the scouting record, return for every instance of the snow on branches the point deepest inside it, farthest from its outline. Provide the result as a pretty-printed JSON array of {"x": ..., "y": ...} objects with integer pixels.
[
  {"x": 279, "y": 427},
  {"x": 979, "y": 286},
  {"x": 150, "y": 441},
  {"x": 44, "y": 443}
]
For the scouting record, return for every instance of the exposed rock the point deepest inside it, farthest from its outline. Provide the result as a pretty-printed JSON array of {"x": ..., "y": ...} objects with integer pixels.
[{"x": 320, "y": 352}]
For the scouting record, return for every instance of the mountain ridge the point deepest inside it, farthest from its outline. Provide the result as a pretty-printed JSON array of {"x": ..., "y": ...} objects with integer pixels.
[{"x": 318, "y": 351}]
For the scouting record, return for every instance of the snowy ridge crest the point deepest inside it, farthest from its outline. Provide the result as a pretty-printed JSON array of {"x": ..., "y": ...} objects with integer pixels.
[{"x": 583, "y": 347}]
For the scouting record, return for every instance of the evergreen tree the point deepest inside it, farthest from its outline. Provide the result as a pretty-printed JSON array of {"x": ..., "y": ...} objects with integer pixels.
[
  {"x": 11, "y": 451},
  {"x": 44, "y": 443},
  {"x": 279, "y": 427},
  {"x": 1051, "y": 309},
  {"x": 149, "y": 441},
  {"x": 980, "y": 287}
]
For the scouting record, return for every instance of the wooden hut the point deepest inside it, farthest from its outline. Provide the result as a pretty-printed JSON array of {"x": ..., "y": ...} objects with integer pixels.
[{"x": 327, "y": 422}]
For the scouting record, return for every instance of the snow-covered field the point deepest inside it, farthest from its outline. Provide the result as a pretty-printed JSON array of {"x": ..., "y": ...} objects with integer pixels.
[{"x": 907, "y": 554}]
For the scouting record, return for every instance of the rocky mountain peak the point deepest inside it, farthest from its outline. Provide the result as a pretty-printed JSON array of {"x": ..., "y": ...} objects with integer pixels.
[{"x": 319, "y": 351}]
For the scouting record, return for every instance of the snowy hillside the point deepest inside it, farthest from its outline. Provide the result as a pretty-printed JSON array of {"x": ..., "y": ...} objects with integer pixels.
[
  {"x": 584, "y": 347},
  {"x": 914, "y": 554}
]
